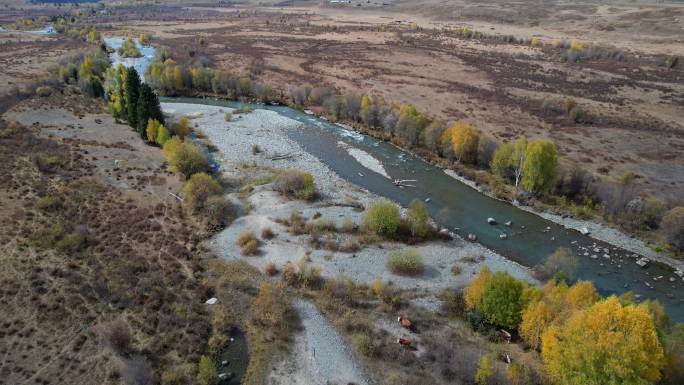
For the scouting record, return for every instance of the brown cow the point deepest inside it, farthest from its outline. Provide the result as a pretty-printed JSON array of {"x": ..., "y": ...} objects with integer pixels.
[{"x": 405, "y": 322}]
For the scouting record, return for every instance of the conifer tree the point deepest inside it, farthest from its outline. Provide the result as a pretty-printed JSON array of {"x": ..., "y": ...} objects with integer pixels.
[{"x": 132, "y": 92}]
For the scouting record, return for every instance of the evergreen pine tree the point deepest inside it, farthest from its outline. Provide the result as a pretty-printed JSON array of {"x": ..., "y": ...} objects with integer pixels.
[
  {"x": 132, "y": 93},
  {"x": 143, "y": 109},
  {"x": 148, "y": 108}
]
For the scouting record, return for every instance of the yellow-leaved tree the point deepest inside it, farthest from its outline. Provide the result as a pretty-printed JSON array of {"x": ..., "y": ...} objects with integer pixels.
[
  {"x": 607, "y": 344},
  {"x": 462, "y": 139},
  {"x": 540, "y": 167},
  {"x": 535, "y": 320},
  {"x": 475, "y": 290}
]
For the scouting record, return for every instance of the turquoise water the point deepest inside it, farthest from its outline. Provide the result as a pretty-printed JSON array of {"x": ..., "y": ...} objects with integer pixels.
[
  {"x": 141, "y": 64},
  {"x": 459, "y": 207}
]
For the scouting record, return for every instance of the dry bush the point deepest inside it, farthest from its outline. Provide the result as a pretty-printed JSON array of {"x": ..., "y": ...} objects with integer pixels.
[
  {"x": 297, "y": 223},
  {"x": 407, "y": 263},
  {"x": 116, "y": 335},
  {"x": 248, "y": 242},
  {"x": 349, "y": 246},
  {"x": 198, "y": 189},
  {"x": 364, "y": 343},
  {"x": 271, "y": 269},
  {"x": 267, "y": 233},
  {"x": 295, "y": 184}
]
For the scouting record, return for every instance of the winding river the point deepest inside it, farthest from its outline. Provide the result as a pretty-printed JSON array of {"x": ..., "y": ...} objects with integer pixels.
[{"x": 530, "y": 238}]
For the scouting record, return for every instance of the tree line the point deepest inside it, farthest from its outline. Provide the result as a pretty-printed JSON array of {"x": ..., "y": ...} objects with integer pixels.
[{"x": 582, "y": 337}]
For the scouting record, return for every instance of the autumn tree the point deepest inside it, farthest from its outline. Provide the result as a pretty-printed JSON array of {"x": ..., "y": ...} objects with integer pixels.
[
  {"x": 536, "y": 318},
  {"x": 508, "y": 160},
  {"x": 540, "y": 167},
  {"x": 607, "y": 343},
  {"x": 132, "y": 92},
  {"x": 115, "y": 91},
  {"x": 432, "y": 135},
  {"x": 163, "y": 136},
  {"x": 502, "y": 302},
  {"x": 410, "y": 124},
  {"x": 152, "y": 130},
  {"x": 367, "y": 111},
  {"x": 182, "y": 127},
  {"x": 474, "y": 292},
  {"x": 462, "y": 139}
]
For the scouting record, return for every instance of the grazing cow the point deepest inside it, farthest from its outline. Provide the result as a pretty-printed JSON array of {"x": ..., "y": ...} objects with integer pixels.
[
  {"x": 404, "y": 342},
  {"x": 405, "y": 322}
]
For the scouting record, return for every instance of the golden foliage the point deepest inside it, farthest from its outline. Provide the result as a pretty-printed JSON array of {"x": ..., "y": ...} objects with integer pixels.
[
  {"x": 535, "y": 320},
  {"x": 606, "y": 344},
  {"x": 475, "y": 290},
  {"x": 463, "y": 140}
]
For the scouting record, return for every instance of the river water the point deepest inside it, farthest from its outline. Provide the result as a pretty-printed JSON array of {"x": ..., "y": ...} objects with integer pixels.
[{"x": 457, "y": 206}]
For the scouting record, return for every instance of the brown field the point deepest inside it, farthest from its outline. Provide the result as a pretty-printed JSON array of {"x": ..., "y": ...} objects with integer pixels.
[{"x": 634, "y": 107}]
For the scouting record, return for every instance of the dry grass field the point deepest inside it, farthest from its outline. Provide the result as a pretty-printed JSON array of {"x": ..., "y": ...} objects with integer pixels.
[{"x": 414, "y": 54}]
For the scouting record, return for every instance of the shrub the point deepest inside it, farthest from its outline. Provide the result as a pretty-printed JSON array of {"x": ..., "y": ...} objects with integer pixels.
[
  {"x": 290, "y": 275},
  {"x": 562, "y": 263},
  {"x": 382, "y": 218},
  {"x": 49, "y": 203},
  {"x": 228, "y": 116},
  {"x": 295, "y": 184},
  {"x": 71, "y": 242},
  {"x": 270, "y": 306},
  {"x": 417, "y": 218},
  {"x": 185, "y": 158},
  {"x": 576, "y": 114},
  {"x": 673, "y": 227},
  {"x": 129, "y": 49},
  {"x": 206, "y": 372},
  {"x": 215, "y": 211},
  {"x": 364, "y": 343},
  {"x": 198, "y": 189},
  {"x": 255, "y": 149},
  {"x": 267, "y": 233},
  {"x": 348, "y": 225},
  {"x": 271, "y": 269},
  {"x": 43, "y": 91},
  {"x": 485, "y": 370},
  {"x": 182, "y": 127},
  {"x": 116, "y": 335},
  {"x": 248, "y": 242},
  {"x": 242, "y": 110},
  {"x": 408, "y": 263}
]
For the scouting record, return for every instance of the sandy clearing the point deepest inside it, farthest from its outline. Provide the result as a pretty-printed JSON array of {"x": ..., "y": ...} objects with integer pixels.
[{"x": 320, "y": 355}]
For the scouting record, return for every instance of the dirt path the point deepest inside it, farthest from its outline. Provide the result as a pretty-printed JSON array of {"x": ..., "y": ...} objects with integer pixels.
[{"x": 320, "y": 355}]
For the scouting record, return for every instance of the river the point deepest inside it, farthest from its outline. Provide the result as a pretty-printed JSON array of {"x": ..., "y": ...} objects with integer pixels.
[
  {"x": 457, "y": 206},
  {"x": 530, "y": 238}
]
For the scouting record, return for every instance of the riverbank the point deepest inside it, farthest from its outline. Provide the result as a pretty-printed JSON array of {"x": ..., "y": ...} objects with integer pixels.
[
  {"x": 339, "y": 200},
  {"x": 597, "y": 230}
]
